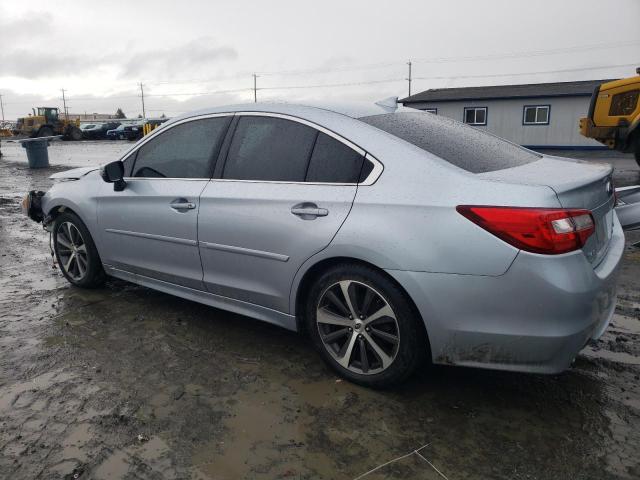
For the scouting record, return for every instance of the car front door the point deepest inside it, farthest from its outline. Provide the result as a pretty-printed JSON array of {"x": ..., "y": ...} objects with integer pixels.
[
  {"x": 283, "y": 192},
  {"x": 150, "y": 227}
]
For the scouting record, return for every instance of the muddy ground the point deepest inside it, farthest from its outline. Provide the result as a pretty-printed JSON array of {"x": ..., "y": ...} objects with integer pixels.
[{"x": 125, "y": 382}]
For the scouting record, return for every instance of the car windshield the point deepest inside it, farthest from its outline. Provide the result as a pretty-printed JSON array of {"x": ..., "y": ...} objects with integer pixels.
[{"x": 466, "y": 147}]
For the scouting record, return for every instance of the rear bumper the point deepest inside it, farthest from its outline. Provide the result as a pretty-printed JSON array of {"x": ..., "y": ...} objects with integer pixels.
[{"x": 534, "y": 318}]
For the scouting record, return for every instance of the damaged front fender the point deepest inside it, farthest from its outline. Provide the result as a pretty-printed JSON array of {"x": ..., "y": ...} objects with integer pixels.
[{"x": 32, "y": 205}]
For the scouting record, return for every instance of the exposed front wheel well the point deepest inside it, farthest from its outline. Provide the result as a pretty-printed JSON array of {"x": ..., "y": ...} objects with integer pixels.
[
  {"x": 54, "y": 212},
  {"x": 316, "y": 270}
]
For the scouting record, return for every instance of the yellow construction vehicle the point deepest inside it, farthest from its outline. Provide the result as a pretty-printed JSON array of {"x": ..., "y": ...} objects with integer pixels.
[
  {"x": 614, "y": 115},
  {"x": 47, "y": 122}
]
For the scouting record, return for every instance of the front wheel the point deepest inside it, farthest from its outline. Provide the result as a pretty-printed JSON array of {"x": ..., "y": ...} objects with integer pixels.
[
  {"x": 76, "y": 253},
  {"x": 74, "y": 133},
  {"x": 364, "y": 326}
]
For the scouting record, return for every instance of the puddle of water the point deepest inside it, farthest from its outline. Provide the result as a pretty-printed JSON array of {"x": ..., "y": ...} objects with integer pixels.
[
  {"x": 619, "y": 357},
  {"x": 625, "y": 324},
  {"x": 41, "y": 382},
  {"x": 115, "y": 466},
  {"x": 74, "y": 441}
]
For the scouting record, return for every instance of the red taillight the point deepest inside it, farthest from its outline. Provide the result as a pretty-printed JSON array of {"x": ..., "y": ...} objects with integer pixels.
[{"x": 539, "y": 230}]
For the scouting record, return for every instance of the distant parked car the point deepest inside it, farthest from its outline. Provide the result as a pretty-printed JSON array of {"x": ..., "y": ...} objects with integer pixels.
[
  {"x": 116, "y": 133},
  {"x": 87, "y": 126},
  {"x": 99, "y": 130},
  {"x": 133, "y": 131}
]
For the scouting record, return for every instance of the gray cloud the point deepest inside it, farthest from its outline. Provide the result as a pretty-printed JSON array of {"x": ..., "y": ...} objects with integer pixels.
[
  {"x": 39, "y": 64},
  {"x": 34, "y": 24},
  {"x": 196, "y": 55}
]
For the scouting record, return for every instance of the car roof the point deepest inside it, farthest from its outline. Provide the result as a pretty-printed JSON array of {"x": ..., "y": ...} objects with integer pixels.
[{"x": 350, "y": 109}]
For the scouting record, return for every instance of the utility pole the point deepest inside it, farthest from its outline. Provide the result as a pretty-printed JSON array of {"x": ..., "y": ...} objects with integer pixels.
[
  {"x": 409, "y": 79},
  {"x": 255, "y": 88},
  {"x": 64, "y": 103},
  {"x": 144, "y": 114},
  {"x": 2, "y": 108}
]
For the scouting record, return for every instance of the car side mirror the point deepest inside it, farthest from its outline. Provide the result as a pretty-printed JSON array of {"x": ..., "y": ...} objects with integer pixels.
[{"x": 114, "y": 173}]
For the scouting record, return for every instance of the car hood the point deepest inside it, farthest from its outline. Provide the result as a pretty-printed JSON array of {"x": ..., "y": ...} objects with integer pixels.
[{"x": 74, "y": 173}]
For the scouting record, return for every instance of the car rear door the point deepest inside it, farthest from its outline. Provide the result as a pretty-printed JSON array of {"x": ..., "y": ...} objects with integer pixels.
[
  {"x": 151, "y": 227},
  {"x": 280, "y": 196}
]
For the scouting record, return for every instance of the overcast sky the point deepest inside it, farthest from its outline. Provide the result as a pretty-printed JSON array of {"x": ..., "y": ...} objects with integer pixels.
[{"x": 99, "y": 51}]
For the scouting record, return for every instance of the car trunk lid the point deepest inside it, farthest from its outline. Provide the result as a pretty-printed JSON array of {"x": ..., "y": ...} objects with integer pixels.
[{"x": 577, "y": 184}]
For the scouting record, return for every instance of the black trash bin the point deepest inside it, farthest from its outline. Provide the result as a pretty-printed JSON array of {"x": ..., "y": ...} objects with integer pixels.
[{"x": 37, "y": 152}]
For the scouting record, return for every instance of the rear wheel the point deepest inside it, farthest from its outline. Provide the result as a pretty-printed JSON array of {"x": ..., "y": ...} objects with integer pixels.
[
  {"x": 76, "y": 253},
  {"x": 637, "y": 150},
  {"x": 45, "y": 132},
  {"x": 364, "y": 326}
]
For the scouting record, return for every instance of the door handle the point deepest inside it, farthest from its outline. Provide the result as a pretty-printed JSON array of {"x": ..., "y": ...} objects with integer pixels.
[
  {"x": 309, "y": 211},
  {"x": 182, "y": 204}
]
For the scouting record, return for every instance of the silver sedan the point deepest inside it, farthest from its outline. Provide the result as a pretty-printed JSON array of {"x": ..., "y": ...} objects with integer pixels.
[{"x": 388, "y": 236}]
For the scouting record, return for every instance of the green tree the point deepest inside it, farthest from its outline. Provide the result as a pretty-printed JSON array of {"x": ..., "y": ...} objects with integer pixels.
[{"x": 120, "y": 113}]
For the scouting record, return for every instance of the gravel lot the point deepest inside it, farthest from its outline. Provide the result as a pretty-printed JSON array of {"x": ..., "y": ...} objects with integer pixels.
[{"x": 125, "y": 382}]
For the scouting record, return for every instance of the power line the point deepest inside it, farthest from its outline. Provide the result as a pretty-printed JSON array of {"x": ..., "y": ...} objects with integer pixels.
[
  {"x": 195, "y": 94},
  {"x": 255, "y": 88},
  {"x": 323, "y": 85},
  {"x": 492, "y": 75},
  {"x": 530, "y": 53},
  {"x": 523, "y": 54},
  {"x": 330, "y": 70}
]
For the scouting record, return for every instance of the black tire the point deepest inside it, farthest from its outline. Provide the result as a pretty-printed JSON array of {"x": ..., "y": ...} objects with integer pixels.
[
  {"x": 72, "y": 133},
  {"x": 45, "y": 132},
  {"x": 636, "y": 151},
  {"x": 93, "y": 275},
  {"x": 413, "y": 345}
]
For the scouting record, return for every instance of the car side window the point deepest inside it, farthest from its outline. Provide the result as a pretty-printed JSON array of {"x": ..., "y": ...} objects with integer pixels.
[
  {"x": 184, "y": 151},
  {"x": 269, "y": 149},
  {"x": 128, "y": 163},
  {"x": 334, "y": 162}
]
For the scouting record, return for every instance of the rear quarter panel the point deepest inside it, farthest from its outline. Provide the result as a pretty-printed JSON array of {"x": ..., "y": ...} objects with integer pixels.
[{"x": 407, "y": 220}]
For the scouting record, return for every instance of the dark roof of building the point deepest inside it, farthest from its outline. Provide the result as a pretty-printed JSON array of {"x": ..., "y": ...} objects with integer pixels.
[{"x": 529, "y": 90}]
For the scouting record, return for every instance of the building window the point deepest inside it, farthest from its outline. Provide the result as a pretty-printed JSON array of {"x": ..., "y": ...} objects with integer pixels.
[
  {"x": 536, "y": 115},
  {"x": 431, "y": 110},
  {"x": 475, "y": 115}
]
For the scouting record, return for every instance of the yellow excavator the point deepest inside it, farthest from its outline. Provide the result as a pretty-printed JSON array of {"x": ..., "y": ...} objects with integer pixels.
[
  {"x": 614, "y": 115},
  {"x": 47, "y": 122}
]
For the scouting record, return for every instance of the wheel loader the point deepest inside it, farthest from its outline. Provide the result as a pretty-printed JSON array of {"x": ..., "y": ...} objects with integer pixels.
[
  {"x": 47, "y": 122},
  {"x": 614, "y": 115}
]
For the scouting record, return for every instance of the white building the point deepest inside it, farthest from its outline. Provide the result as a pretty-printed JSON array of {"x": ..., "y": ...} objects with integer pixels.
[{"x": 539, "y": 115}]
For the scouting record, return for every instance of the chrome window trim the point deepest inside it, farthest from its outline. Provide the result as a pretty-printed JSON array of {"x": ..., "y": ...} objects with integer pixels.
[
  {"x": 373, "y": 176},
  {"x": 163, "y": 128}
]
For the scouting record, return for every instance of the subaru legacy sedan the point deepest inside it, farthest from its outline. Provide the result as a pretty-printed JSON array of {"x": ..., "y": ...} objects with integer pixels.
[{"x": 389, "y": 236}]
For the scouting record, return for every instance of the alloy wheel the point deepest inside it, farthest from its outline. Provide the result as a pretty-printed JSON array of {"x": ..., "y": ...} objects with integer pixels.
[
  {"x": 358, "y": 327},
  {"x": 72, "y": 251}
]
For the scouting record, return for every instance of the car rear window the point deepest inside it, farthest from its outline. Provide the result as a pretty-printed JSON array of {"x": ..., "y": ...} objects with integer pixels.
[{"x": 466, "y": 147}]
